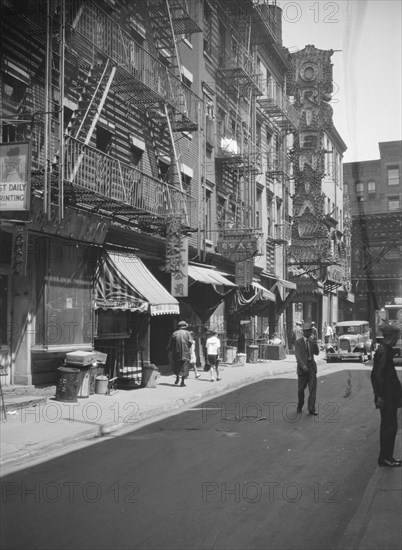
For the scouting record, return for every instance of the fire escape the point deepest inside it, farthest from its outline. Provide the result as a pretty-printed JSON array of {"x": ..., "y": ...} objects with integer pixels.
[
  {"x": 105, "y": 61},
  {"x": 237, "y": 154}
]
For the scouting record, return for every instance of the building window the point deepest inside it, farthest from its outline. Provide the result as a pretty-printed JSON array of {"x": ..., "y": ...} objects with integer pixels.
[
  {"x": 393, "y": 204},
  {"x": 103, "y": 139},
  {"x": 359, "y": 189},
  {"x": 393, "y": 175},
  {"x": 371, "y": 187},
  {"x": 346, "y": 189},
  {"x": 208, "y": 215},
  {"x": 65, "y": 317}
]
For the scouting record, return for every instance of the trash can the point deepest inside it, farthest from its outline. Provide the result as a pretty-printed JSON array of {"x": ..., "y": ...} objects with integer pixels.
[
  {"x": 149, "y": 376},
  {"x": 241, "y": 357},
  {"x": 252, "y": 354},
  {"x": 101, "y": 384},
  {"x": 67, "y": 384},
  {"x": 230, "y": 354}
]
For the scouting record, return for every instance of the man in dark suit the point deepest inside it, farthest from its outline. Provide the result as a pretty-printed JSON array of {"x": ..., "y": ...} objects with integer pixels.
[
  {"x": 387, "y": 394},
  {"x": 305, "y": 349}
]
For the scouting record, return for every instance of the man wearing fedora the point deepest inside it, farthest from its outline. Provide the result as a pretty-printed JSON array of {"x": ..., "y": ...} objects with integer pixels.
[
  {"x": 180, "y": 348},
  {"x": 387, "y": 394},
  {"x": 305, "y": 349}
]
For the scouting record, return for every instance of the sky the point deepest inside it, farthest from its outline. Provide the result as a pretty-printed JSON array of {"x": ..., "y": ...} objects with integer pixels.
[{"x": 367, "y": 70}]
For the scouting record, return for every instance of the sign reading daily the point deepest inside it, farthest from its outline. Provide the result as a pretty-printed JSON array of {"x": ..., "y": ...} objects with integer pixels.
[{"x": 15, "y": 171}]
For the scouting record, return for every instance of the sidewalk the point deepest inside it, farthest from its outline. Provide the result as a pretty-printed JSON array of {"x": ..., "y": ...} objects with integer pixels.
[{"x": 46, "y": 425}]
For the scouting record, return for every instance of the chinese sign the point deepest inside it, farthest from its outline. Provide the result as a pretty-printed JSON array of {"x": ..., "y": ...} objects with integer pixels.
[
  {"x": 238, "y": 246},
  {"x": 244, "y": 273},
  {"x": 15, "y": 160},
  {"x": 180, "y": 277},
  {"x": 173, "y": 239}
]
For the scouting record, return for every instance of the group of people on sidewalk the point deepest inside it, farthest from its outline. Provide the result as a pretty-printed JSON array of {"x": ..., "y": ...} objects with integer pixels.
[{"x": 183, "y": 357}]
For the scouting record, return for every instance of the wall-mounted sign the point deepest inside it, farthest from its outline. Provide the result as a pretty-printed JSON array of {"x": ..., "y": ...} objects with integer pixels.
[
  {"x": 81, "y": 226},
  {"x": 15, "y": 176},
  {"x": 335, "y": 274}
]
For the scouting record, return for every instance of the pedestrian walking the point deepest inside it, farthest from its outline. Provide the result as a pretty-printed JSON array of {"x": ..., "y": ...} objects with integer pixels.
[
  {"x": 327, "y": 332},
  {"x": 180, "y": 346},
  {"x": 297, "y": 332},
  {"x": 314, "y": 331},
  {"x": 387, "y": 394},
  {"x": 213, "y": 346},
  {"x": 193, "y": 357},
  {"x": 305, "y": 349}
]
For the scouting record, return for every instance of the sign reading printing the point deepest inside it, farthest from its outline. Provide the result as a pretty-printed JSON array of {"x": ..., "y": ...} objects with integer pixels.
[{"x": 15, "y": 172}]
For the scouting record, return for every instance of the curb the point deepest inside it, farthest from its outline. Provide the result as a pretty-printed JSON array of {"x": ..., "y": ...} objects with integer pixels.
[{"x": 40, "y": 450}]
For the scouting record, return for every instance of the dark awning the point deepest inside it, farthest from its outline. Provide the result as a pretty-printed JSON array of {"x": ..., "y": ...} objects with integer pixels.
[{"x": 124, "y": 282}]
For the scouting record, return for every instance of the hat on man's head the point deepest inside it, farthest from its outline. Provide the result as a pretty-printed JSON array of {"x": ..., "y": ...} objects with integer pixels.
[
  {"x": 298, "y": 323},
  {"x": 182, "y": 324},
  {"x": 388, "y": 330},
  {"x": 307, "y": 326}
]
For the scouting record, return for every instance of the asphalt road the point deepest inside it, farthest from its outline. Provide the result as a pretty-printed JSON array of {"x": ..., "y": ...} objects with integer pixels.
[{"x": 241, "y": 472}]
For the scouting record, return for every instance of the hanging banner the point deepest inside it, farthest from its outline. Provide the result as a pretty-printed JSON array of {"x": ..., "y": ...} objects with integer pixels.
[
  {"x": 15, "y": 176},
  {"x": 180, "y": 277}
]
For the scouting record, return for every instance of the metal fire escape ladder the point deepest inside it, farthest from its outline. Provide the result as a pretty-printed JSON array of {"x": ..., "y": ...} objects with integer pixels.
[{"x": 93, "y": 107}]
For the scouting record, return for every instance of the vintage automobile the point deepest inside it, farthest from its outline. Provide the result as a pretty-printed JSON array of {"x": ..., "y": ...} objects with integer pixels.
[{"x": 351, "y": 341}]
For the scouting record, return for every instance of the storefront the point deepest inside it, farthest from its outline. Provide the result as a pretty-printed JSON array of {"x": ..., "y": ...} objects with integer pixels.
[{"x": 134, "y": 314}]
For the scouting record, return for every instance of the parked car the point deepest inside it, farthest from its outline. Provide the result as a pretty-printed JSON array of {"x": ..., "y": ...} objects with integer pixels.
[{"x": 351, "y": 341}]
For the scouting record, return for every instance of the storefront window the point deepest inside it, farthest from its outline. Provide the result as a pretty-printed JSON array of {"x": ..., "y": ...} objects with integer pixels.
[{"x": 67, "y": 296}]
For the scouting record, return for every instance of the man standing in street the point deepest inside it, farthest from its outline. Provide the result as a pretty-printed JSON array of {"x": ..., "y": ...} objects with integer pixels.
[
  {"x": 180, "y": 347},
  {"x": 305, "y": 349},
  {"x": 387, "y": 394}
]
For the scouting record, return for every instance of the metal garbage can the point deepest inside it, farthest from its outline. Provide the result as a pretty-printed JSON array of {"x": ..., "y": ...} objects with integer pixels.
[
  {"x": 149, "y": 376},
  {"x": 230, "y": 354},
  {"x": 67, "y": 384},
  {"x": 101, "y": 384},
  {"x": 252, "y": 354}
]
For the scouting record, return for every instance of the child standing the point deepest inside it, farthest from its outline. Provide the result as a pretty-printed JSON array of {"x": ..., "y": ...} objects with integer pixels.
[{"x": 213, "y": 346}]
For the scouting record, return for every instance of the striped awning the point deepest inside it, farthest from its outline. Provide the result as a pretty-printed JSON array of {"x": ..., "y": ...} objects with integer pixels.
[
  {"x": 124, "y": 282},
  {"x": 265, "y": 293}
]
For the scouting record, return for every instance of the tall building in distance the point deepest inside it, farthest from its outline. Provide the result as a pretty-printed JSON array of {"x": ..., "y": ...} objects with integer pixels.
[
  {"x": 374, "y": 191},
  {"x": 319, "y": 252}
]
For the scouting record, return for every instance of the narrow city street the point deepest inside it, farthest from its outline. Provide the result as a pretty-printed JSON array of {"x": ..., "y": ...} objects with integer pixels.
[{"x": 243, "y": 471}]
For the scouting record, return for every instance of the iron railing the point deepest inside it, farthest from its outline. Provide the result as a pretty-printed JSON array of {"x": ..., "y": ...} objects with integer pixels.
[{"x": 109, "y": 178}]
